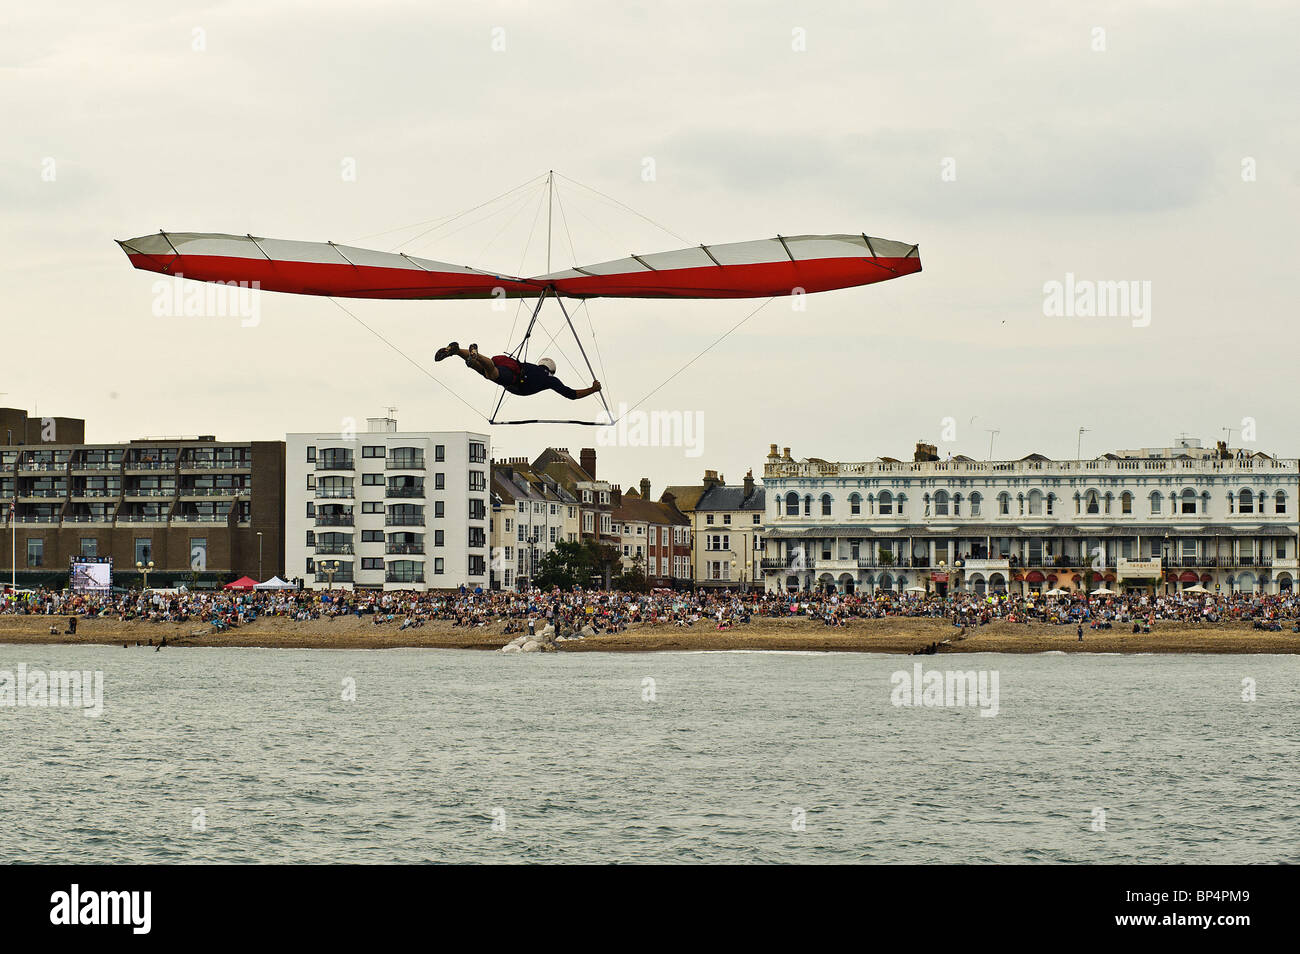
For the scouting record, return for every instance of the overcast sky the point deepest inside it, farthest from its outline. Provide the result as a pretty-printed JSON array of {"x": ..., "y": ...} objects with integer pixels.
[{"x": 1114, "y": 156}]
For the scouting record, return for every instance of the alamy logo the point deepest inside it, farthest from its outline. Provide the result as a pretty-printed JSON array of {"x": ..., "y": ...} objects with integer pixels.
[
  {"x": 134, "y": 908},
  {"x": 175, "y": 298},
  {"x": 54, "y": 688},
  {"x": 635, "y": 428},
  {"x": 1085, "y": 298},
  {"x": 939, "y": 689}
]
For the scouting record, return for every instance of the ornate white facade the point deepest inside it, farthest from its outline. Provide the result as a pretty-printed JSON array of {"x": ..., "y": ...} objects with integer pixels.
[{"x": 1169, "y": 517}]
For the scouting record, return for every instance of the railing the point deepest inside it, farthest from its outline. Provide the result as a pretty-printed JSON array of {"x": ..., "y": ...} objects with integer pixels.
[
  {"x": 335, "y": 465},
  {"x": 142, "y": 518},
  {"x": 404, "y": 463},
  {"x": 404, "y": 548},
  {"x": 411, "y": 521},
  {"x": 334, "y": 519},
  {"x": 95, "y": 492},
  {"x": 150, "y": 465},
  {"x": 335, "y": 493},
  {"x": 203, "y": 517},
  {"x": 403, "y": 577},
  {"x": 149, "y": 492},
  {"x": 331, "y": 549},
  {"x": 212, "y": 491},
  {"x": 37, "y": 518},
  {"x": 89, "y": 518},
  {"x": 42, "y": 493},
  {"x": 97, "y": 465},
  {"x": 404, "y": 492},
  {"x": 240, "y": 464},
  {"x": 341, "y": 576}
]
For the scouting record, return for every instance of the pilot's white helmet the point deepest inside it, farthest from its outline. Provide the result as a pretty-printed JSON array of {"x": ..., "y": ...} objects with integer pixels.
[{"x": 548, "y": 364}]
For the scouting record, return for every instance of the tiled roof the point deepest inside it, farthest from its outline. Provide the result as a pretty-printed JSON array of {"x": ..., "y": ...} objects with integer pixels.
[{"x": 731, "y": 498}]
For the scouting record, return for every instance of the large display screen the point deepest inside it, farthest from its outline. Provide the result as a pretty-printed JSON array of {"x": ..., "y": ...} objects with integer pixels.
[{"x": 92, "y": 577}]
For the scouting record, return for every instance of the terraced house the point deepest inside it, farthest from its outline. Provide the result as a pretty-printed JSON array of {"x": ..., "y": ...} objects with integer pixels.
[
  {"x": 531, "y": 513},
  {"x": 1158, "y": 519}
]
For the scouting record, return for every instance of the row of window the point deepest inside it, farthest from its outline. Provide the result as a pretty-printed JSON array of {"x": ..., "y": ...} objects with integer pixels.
[
  {"x": 89, "y": 549},
  {"x": 1036, "y": 503}
]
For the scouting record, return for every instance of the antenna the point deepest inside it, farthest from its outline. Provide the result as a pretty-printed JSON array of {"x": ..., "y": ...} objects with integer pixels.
[
  {"x": 1078, "y": 447},
  {"x": 993, "y": 432}
]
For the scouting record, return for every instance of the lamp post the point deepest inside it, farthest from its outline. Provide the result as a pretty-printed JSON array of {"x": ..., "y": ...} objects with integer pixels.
[
  {"x": 329, "y": 568},
  {"x": 1164, "y": 565},
  {"x": 144, "y": 569},
  {"x": 260, "y": 578}
]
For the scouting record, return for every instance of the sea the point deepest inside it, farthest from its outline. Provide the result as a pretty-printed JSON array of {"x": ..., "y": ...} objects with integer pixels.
[{"x": 243, "y": 756}]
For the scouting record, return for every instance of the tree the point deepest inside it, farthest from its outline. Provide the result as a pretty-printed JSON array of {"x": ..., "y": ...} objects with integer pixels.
[{"x": 579, "y": 563}]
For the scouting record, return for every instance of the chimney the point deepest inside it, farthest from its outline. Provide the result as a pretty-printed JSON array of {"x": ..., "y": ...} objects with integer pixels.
[
  {"x": 771, "y": 450},
  {"x": 710, "y": 480},
  {"x": 925, "y": 452},
  {"x": 749, "y": 484},
  {"x": 616, "y": 495},
  {"x": 587, "y": 461},
  {"x": 787, "y": 453},
  {"x": 645, "y": 488}
]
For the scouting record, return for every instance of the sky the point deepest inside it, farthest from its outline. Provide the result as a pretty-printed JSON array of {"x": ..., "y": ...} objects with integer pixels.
[{"x": 1015, "y": 142}]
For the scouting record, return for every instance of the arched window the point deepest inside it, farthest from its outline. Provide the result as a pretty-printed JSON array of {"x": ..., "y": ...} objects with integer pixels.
[
  {"x": 792, "y": 504},
  {"x": 826, "y": 505},
  {"x": 1279, "y": 502},
  {"x": 1188, "y": 501},
  {"x": 1035, "y": 503},
  {"x": 1051, "y": 504},
  {"x": 1156, "y": 501},
  {"x": 1004, "y": 504},
  {"x": 1126, "y": 502},
  {"x": 807, "y": 505},
  {"x": 902, "y": 499},
  {"x": 941, "y": 503},
  {"x": 855, "y": 504},
  {"x": 956, "y": 505},
  {"x": 1093, "y": 502},
  {"x": 1245, "y": 502},
  {"x": 975, "y": 501},
  {"x": 886, "y": 502}
]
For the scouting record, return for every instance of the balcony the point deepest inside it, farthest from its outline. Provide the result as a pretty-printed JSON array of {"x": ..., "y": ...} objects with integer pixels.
[
  {"x": 96, "y": 466},
  {"x": 392, "y": 577},
  {"x": 337, "y": 493},
  {"x": 404, "y": 463},
  {"x": 787, "y": 563},
  {"x": 404, "y": 492},
  {"x": 334, "y": 520},
  {"x": 150, "y": 465},
  {"x": 335, "y": 465},
  {"x": 333, "y": 549},
  {"x": 41, "y": 466},
  {"x": 404, "y": 521},
  {"x": 343, "y": 576},
  {"x": 216, "y": 465},
  {"x": 400, "y": 548},
  {"x": 150, "y": 492}
]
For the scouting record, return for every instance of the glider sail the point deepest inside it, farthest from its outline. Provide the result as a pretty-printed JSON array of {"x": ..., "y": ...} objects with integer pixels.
[{"x": 784, "y": 265}]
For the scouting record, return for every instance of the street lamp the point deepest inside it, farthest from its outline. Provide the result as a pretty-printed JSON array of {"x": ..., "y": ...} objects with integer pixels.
[
  {"x": 329, "y": 568},
  {"x": 259, "y": 556},
  {"x": 144, "y": 569}
]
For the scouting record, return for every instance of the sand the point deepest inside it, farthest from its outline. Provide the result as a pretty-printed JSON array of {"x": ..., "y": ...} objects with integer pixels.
[{"x": 878, "y": 636}]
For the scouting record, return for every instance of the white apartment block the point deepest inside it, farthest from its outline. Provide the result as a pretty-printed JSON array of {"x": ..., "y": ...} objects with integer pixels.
[
  {"x": 387, "y": 509},
  {"x": 1164, "y": 518}
]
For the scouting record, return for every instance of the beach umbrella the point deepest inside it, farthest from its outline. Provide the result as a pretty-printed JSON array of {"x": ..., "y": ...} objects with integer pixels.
[
  {"x": 1102, "y": 591},
  {"x": 1055, "y": 592},
  {"x": 915, "y": 589},
  {"x": 1196, "y": 589}
]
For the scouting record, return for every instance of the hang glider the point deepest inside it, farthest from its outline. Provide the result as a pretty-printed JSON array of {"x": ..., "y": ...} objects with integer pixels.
[{"x": 784, "y": 265}]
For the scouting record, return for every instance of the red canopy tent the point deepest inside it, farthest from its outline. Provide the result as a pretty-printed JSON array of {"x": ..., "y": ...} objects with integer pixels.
[{"x": 243, "y": 583}]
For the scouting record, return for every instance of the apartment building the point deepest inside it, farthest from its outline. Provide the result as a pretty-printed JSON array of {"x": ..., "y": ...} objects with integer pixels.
[
  {"x": 388, "y": 509},
  {"x": 190, "y": 511}
]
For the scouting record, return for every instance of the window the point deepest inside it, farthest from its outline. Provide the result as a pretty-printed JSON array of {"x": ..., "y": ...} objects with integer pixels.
[
  {"x": 1092, "y": 502},
  {"x": 1245, "y": 502},
  {"x": 438, "y": 509},
  {"x": 372, "y": 506},
  {"x": 855, "y": 504},
  {"x": 90, "y": 547},
  {"x": 975, "y": 501},
  {"x": 439, "y": 454},
  {"x": 709, "y": 519},
  {"x": 477, "y": 481},
  {"x": 372, "y": 536},
  {"x": 372, "y": 451},
  {"x": 372, "y": 480},
  {"x": 437, "y": 565},
  {"x": 477, "y": 452},
  {"x": 35, "y": 552},
  {"x": 792, "y": 504},
  {"x": 756, "y": 518},
  {"x": 143, "y": 549},
  {"x": 1189, "y": 501},
  {"x": 826, "y": 505},
  {"x": 1279, "y": 503},
  {"x": 807, "y": 505},
  {"x": 1004, "y": 505},
  {"x": 311, "y": 453},
  {"x": 1035, "y": 503},
  {"x": 477, "y": 565},
  {"x": 199, "y": 553},
  {"x": 477, "y": 508},
  {"x": 437, "y": 539},
  {"x": 941, "y": 503},
  {"x": 1126, "y": 503},
  {"x": 1156, "y": 501},
  {"x": 885, "y": 503}
]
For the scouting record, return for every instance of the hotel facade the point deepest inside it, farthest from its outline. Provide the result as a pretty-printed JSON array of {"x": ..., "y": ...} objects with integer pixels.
[
  {"x": 1159, "y": 519},
  {"x": 387, "y": 510}
]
